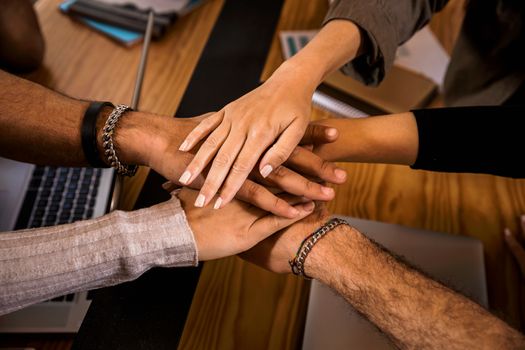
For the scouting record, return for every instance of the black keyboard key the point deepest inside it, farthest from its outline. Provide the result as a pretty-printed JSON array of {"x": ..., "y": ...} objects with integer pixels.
[
  {"x": 92, "y": 202},
  {"x": 35, "y": 182},
  {"x": 82, "y": 201},
  {"x": 49, "y": 183},
  {"x": 77, "y": 171},
  {"x": 42, "y": 203},
  {"x": 88, "y": 171},
  {"x": 89, "y": 213},
  {"x": 45, "y": 193},
  {"x": 84, "y": 191},
  {"x": 70, "y": 195},
  {"x": 39, "y": 171}
]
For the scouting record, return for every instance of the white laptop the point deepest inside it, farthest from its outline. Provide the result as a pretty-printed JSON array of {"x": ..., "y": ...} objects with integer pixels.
[
  {"x": 33, "y": 196},
  {"x": 331, "y": 323}
]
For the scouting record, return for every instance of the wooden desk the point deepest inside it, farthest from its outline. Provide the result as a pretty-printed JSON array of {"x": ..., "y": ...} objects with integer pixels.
[{"x": 238, "y": 305}]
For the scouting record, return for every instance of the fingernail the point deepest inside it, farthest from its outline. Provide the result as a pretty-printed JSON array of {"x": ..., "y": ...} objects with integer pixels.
[
  {"x": 294, "y": 212},
  {"x": 199, "y": 202},
  {"x": 266, "y": 170},
  {"x": 340, "y": 173},
  {"x": 331, "y": 132},
  {"x": 185, "y": 177},
  {"x": 327, "y": 191},
  {"x": 166, "y": 185},
  {"x": 523, "y": 219},
  {"x": 507, "y": 232},
  {"x": 184, "y": 146},
  {"x": 218, "y": 203},
  {"x": 309, "y": 206}
]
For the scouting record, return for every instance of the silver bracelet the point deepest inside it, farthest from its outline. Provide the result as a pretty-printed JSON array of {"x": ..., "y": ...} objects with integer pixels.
[
  {"x": 109, "y": 147},
  {"x": 297, "y": 263}
]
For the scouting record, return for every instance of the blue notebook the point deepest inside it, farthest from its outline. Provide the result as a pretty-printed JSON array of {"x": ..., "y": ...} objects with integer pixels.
[{"x": 123, "y": 36}]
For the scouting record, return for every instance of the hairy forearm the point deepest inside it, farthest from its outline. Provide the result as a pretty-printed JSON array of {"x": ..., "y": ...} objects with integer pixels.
[
  {"x": 384, "y": 139},
  {"x": 415, "y": 311},
  {"x": 43, "y": 127}
]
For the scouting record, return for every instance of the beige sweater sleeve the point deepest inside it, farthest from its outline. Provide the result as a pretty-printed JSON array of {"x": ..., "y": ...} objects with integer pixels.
[{"x": 39, "y": 264}]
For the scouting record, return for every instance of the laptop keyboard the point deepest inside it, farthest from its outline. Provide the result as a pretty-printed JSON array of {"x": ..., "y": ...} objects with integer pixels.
[{"x": 59, "y": 195}]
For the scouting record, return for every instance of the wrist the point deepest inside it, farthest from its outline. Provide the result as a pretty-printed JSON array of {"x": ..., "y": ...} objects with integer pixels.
[
  {"x": 134, "y": 137},
  {"x": 298, "y": 73},
  {"x": 330, "y": 259}
]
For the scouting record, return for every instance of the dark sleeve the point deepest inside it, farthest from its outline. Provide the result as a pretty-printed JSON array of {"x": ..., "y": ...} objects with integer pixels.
[
  {"x": 385, "y": 24},
  {"x": 472, "y": 139}
]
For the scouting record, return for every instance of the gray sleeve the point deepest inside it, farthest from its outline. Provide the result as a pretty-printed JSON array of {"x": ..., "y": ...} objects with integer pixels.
[
  {"x": 39, "y": 264},
  {"x": 385, "y": 24}
]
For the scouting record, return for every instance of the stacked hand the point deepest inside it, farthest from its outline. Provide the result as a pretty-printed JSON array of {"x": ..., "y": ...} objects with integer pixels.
[
  {"x": 298, "y": 176},
  {"x": 261, "y": 131}
]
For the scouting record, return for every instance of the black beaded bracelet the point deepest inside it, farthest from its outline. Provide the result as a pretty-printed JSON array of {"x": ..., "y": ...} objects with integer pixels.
[{"x": 88, "y": 134}]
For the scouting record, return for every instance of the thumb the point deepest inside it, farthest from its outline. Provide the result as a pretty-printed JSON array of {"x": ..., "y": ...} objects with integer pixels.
[{"x": 316, "y": 134}]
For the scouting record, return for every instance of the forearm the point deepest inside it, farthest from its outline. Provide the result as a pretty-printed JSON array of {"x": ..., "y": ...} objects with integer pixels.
[
  {"x": 383, "y": 139},
  {"x": 336, "y": 43},
  {"x": 43, "y": 127},
  {"x": 40, "y": 264},
  {"x": 415, "y": 311}
]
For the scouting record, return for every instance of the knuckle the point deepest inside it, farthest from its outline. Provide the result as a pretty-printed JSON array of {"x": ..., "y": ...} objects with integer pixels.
[
  {"x": 309, "y": 185},
  {"x": 280, "y": 154},
  {"x": 241, "y": 167},
  {"x": 326, "y": 166},
  {"x": 212, "y": 142},
  {"x": 253, "y": 190},
  {"x": 280, "y": 172},
  {"x": 222, "y": 160}
]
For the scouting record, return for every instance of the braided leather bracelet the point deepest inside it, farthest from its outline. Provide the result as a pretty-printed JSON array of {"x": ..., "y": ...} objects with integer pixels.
[
  {"x": 109, "y": 147},
  {"x": 297, "y": 263}
]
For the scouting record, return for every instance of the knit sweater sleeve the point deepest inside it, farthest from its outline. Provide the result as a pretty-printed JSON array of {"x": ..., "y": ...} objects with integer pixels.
[{"x": 39, "y": 264}]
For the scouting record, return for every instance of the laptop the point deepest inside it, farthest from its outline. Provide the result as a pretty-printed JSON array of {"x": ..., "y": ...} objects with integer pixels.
[
  {"x": 331, "y": 323},
  {"x": 35, "y": 196}
]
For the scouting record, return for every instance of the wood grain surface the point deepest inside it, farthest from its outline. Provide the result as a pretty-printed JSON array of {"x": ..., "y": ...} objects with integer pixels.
[{"x": 239, "y": 306}]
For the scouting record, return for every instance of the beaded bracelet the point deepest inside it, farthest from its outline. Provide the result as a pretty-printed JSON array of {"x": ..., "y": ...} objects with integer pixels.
[
  {"x": 297, "y": 263},
  {"x": 109, "y": 147}
]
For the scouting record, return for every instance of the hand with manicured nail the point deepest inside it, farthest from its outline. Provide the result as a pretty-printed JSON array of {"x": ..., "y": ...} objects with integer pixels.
[
  {"x": 262, "y": 128},
  {"x": 516, "y": 248},
  {"x": 160, "y": 140}
]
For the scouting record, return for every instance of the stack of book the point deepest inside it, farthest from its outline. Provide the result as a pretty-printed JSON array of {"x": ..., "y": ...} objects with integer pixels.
[{"x": 125, "y": 20}]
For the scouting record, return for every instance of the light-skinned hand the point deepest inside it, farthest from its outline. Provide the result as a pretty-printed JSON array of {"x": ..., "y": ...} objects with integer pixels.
[
  {"x": 235, "y": 228},
  {"x": 262, "y": 128}
]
